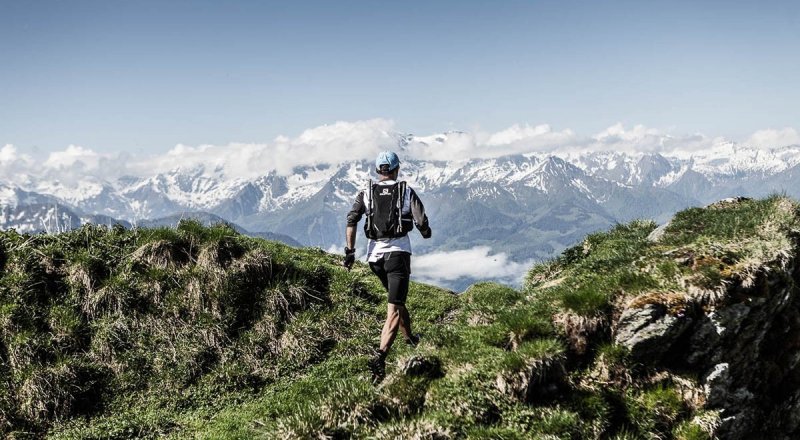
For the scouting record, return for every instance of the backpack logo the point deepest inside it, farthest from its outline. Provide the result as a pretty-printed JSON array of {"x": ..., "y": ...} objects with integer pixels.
[{"x": 386, "y": 192}]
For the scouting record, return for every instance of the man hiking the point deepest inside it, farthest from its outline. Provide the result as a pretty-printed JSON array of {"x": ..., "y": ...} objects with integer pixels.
[{"x": 391, "y": 207}]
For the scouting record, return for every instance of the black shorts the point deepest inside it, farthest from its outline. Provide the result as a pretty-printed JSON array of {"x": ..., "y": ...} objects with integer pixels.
[{"x": 394, "y": 270}]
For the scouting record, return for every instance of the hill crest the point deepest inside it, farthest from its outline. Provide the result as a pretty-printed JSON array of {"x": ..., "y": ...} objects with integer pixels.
[{"x": 202, "y": 332}]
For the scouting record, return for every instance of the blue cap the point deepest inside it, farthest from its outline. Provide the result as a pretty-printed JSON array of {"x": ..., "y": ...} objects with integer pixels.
[{"x": 387, "y": 158}]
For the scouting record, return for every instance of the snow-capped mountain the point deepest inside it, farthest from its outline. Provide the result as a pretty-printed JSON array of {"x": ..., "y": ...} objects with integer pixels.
[{"x": 529, "y": 205}]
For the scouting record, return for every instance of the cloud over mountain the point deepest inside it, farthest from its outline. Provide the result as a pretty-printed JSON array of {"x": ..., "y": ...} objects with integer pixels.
[
  {"x": 355, "y": 140},
  {"x": 772, "y": 137},
  {"x": 445, "y": 267},
  {"x": 501, "y": 212}
]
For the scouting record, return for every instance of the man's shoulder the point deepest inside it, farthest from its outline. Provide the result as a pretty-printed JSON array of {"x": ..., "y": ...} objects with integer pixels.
[{"x": 359, "y": 198}]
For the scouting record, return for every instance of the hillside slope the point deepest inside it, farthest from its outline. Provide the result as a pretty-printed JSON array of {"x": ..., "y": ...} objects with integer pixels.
[{"x": 688, "y": 331}]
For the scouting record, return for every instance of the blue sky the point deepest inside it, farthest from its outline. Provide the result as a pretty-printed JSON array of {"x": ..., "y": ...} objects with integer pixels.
[{"x": 144, "y": 76}]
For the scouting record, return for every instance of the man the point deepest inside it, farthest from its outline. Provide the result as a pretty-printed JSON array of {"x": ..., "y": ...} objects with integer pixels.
[{"x": 391, "y": 208}]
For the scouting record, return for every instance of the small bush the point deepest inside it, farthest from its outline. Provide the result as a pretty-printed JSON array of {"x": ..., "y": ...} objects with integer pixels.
[
  {"x": 655, "y": 409},
  {"x": 687, "y": 430},
  {"x": 404, "y": 396},
  {"x": 429, "y": 427},
  {"x": 347, "y": 407},
  {"x": 494, "y": 433},
  {"x": 468, "y": 398},
  {"x": 587, "y": 300},
  {"x": 540, "y": 422},
  {"x": 595, "y": 411},
  {"x": 491, "y": 296},
  {"x": 736, "y": 220},
  {"x": 514, "y": 326}
]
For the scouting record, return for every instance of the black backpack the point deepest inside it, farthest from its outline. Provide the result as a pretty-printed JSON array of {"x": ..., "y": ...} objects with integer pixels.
[{"x": 384, "y": 205}]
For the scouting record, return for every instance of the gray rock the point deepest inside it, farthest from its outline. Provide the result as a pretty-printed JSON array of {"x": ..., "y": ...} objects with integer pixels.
[
  {"x": 658, "y": 232},
  {"x": 649, "y": 332},
  {"x": 429, "y": 366},
  {"x": 746, "y": 350}
]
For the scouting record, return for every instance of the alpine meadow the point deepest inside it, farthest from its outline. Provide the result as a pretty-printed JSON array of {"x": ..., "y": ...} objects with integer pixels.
[{"x": 201, "y": 332}]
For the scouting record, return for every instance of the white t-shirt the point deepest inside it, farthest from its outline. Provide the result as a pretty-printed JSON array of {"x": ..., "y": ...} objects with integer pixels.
[{"x": 376, "y": 248}]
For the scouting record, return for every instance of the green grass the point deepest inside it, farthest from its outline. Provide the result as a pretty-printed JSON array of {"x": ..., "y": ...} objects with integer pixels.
[
  {"x": 656, "y": 409},
  {"x": 734, "y": 222},
  {"x": 198, "y": 332}
]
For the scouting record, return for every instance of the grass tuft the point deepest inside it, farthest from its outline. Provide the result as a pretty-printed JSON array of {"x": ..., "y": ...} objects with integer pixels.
[{"x": 655, "y": 409}]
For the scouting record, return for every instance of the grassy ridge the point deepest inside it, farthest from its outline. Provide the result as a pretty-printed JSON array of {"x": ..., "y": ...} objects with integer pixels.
[
  {"x": 200, "y": 332},
  {"x": 138, "y": 326}
]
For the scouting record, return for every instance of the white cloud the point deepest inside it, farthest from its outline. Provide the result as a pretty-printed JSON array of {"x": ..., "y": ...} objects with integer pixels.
[
  {"x": 771, "y": 138},
  {"x": 333, "y": 143},
  {"x": 517, "y": 139},
  {"x": 14, "y": 166},
  {"x": 342, "y": 141},
  {"x": 11, "y": 157},
  {"x": 478, "y": 262},
  {"x": 526, "y": 138},
  {"x": 641, "y": 139},
  {"x": 450, "y": 146},
  {"x": 345, "y": 141},
  {"x": 72, "y": 156},
  {"x": 8, "y": 154},
  {"x": 616, "y": 137}
]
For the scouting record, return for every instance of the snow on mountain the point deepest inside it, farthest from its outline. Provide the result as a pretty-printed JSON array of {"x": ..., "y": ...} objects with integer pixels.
[
  {"x": 506, "y": 170},
  {"x": 428, "y": 175},
  {"x": 190, "y": 188},
  {"x": 74, "y": 193},
  {"x": 671, "y": 177},
  {"x": 731, "y": 160},
  {"x": 13, "y": 196},
  {"x": 626, "y": 169},
  {"x": 304, "y": 184},
  {"x": 529, "y": 206},
  {"x": 8, "y": 195},
  {"x": 611, "y": 180},
  {"x": 38, "y": 217}
]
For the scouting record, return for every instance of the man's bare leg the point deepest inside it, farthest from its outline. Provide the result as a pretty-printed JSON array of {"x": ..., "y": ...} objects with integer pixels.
[
  {"x": 397, "y": 318},
  {"x": 405, "y": 323},
  {"x": 390, "y": 327}
]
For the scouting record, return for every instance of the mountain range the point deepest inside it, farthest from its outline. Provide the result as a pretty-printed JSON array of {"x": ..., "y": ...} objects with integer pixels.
[{"x": 529, "y": 206}]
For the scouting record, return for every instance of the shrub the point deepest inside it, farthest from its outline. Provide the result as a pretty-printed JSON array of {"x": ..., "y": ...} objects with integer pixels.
[
  {"x": 544, "y": 422},
  {"x": 469, "y": 398},
  {"x": 654, "y": 409},
  {"x": 431, "y": 426}
]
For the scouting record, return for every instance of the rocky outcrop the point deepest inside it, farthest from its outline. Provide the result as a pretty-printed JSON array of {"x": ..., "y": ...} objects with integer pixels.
[{"x": 744, "y": 350}]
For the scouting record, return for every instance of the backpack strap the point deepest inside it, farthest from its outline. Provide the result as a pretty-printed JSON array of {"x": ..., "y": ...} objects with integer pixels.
[
  {"x": 368, "y": 194},
  {"x": 368, "y": 205},
  {"x": 401, "y": 197}
]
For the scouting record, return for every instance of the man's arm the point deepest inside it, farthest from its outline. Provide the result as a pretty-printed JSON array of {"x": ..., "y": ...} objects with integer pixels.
[
  {"x": 353, "y": 217},
  {"x": 420, "y": 219},
  {"x": 350, "y": 237}
]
